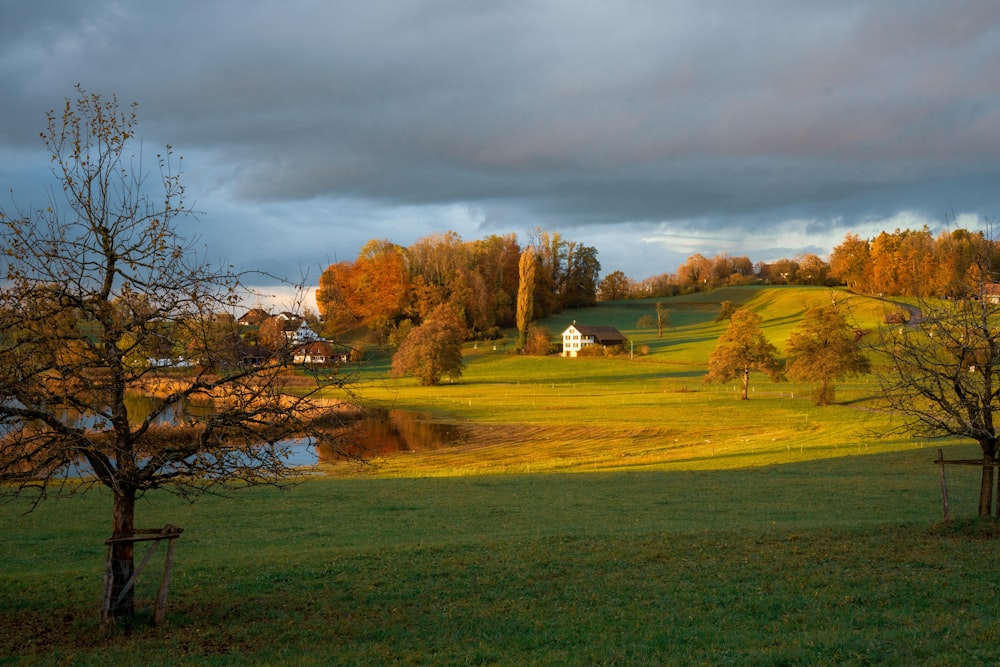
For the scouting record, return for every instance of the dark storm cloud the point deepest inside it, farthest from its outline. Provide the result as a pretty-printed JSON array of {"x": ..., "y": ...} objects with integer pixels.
[{"x": 711, "y": 121}]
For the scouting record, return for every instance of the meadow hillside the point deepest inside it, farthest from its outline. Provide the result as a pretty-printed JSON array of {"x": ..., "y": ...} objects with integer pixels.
[
  {"x": 648, "y": 408},
  {"x": 663, "y": 522}
]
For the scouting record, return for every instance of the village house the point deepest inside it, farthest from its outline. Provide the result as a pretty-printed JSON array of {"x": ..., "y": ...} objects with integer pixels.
[
  {"x": 253, "y": 317},
  {"x": 314, "y": 352},
  {"x": 578, "y": 336},
  {"x": 991, "y": 293}
]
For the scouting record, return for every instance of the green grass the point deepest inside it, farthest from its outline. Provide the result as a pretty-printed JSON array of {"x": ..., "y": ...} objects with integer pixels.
[
  {"x": 651, "y": 411},
  {"x": 664, "y": 522},
  {"x": 822, "y": 562}
]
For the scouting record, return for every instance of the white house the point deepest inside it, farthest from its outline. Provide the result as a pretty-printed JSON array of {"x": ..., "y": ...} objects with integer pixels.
[
  {"x": 304, "y": 334},
  {"x": 578, "y": 336}
]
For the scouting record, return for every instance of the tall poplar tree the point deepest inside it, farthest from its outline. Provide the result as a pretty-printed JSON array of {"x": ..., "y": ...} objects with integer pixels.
[{"x": 525, "y": 295}]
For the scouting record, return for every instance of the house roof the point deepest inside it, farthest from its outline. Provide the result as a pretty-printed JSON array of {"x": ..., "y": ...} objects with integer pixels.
[
  {"x": 315, "y": 347},
  {"x": 254, "y": 316},
  {"x": 600, "y": 332}
]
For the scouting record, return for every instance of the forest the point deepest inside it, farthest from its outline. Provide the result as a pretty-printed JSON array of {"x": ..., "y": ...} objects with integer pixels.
[{"x": 389, "y": 288}]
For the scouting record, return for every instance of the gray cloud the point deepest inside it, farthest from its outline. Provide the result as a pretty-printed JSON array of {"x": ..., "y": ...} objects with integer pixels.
[{"x": 304, "y": 123}]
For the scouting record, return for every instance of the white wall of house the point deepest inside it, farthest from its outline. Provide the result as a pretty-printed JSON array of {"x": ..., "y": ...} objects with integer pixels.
[{"x": 574, "y": 341}]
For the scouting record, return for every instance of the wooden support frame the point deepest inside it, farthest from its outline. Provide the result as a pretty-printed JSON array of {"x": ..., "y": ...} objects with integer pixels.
[
  {"x": 155, "y": 535},
  {"x": 941, "y": 462}
]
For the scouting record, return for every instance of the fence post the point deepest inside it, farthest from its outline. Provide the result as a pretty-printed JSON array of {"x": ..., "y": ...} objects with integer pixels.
[
  {"x": 944, "y": 487},
  {"x": 160, "y": 603}
]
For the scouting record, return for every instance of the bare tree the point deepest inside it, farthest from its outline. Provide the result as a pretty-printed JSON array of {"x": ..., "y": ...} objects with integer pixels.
[
  {"x": 662, "y": 318},
  {"x": 941, "y": 376},
  {"x": 100, "y": 293}
]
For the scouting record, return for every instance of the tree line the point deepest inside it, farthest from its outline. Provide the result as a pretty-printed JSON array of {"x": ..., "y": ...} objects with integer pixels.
[
  {"x": 390, "y": 288},
  {"x": 698, "y": 273},
  {"x": 899, "y": 263}
]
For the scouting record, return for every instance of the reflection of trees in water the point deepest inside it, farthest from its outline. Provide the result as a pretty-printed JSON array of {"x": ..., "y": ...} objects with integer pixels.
[
  {"x": 384, "y": 432},
  {"x": 141, "y": 405},
  {"x": 377, "y": 432}
]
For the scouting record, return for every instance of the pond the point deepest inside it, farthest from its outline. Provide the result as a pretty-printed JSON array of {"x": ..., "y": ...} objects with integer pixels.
[
  {"x": 377, "y": 433},
  {"x": 381, "y": 433}
]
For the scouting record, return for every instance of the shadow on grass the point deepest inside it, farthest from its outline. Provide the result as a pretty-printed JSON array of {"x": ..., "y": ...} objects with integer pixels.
[{"x": 980, "y": 528}]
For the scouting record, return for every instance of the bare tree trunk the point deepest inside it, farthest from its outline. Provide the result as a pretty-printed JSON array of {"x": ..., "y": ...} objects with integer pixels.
[
  {"x": 746, "y": 384},
  {"x": 123, "y": 556},
  {"x": 986, "y": 487}
]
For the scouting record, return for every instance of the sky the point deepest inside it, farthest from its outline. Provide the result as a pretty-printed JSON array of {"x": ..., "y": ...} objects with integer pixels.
[{"x": 650, "y": 130}]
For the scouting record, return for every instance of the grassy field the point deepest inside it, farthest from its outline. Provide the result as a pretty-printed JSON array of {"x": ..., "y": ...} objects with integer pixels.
[
  {"x": 663, "y": 522},
  {"x": 822, "y": 562},
  {"x": 641, "y": 411}
]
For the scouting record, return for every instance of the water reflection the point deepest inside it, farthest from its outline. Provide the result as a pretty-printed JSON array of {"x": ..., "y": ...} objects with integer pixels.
[
  {"x": 387, "y": 432},
  {"x": 376, "y": 433},
  {"x": 141, "y": 406}
]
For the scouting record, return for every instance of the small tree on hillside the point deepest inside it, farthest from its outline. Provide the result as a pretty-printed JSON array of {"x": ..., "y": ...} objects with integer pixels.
[
  {"x": 742, "y": 349},
  {"x": 94, "y": 283},
  {"x": 824, "y": 348},
  {"x": 433, "y": 349},
  {"x": 662, "y": 318},
  {"x": 942, "y": 376},
  {"x": 726, "y": 310}
]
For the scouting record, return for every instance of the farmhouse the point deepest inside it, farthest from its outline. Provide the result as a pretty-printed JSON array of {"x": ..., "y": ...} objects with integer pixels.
[
  {"x": 313, "y": 352},
  {"x": 578, "y": 336}
]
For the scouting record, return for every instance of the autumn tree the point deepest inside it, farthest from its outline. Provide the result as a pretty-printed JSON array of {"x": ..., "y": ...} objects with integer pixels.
[
  {"x": 379, "y": 285},
  {"x": 336, "y": 300},
  {"x": 433, "y": 349},
  {"x": 742, "y": 349},
  {"x": 911, "y": 262},
  {"x": 726, "y": 310},
  {"x": 493, "y": 282},
  {"x": 850, "y": 263},
  {"x": 539, "y": 341},
  {"x": 581, "y": 276},
  {"x": 695, "y": 272},
  {"x": 614, "y": 286},
  {"x": 942, "y": 375},
  {"x": 812, "y": 270},
  {"x": 439, "y": 264},
  {"x": 104, "y": 274},
  {"x": 824, "y": 348},
  {"x": 781, "y": 272},
  {"x": 525, "y": 295},
  {"x": 659, "y": 285},
  {"x": 549, "y": 253}
]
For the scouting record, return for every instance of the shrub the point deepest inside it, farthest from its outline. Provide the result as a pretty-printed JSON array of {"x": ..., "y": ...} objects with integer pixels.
[
  {"x": 646, "y": 322},
  {"x": 539, "y": 341}
]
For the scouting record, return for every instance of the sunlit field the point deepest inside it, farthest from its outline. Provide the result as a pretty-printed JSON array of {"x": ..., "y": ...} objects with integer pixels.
[
  {"x": 645, "y": 409},
  {"x": 593, "y": 511}
]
